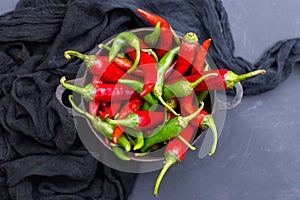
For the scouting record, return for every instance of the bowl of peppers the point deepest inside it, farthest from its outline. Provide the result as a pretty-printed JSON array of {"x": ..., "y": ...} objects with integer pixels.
[{"x": 147, "y": 95}]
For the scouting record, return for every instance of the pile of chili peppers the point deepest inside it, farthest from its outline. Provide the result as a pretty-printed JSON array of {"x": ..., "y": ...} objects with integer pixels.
[{"x": 140, "y": 75}]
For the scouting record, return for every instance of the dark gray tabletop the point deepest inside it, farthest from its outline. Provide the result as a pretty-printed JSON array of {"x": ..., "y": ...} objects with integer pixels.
[{"x": 258, "y": 152}]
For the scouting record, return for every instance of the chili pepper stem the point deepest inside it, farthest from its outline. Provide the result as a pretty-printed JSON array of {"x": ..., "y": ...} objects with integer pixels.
[
  {"x": 170, "y": 161},
  {"x": 232, "y": 78},
  {"x": 195, "y": 83},
  {"x": 191, "y": 147},
  {"x": 151, "y": 52},
  {"x": 88, "y": 115},
  {"x": 167, "y": 106},
  {"x": 87, "y": 92},
  {"x": 88, "y": 59},
  {"x": 208, "y": 121},
  {"x": 250, "y": 74},
  {"x": 183, "y": 121}
]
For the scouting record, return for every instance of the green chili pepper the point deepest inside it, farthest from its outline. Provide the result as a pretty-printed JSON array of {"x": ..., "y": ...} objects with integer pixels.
[
  {"x": 101, "y": 126},
  {"x": 119, "y": 152},
  {"x": 137, "y": 86},
  {"x": 183, "y": 88},
  {"x": 139, "y": 137},
  {"x": 151, "y": 39},
  {"x": 170, "y": 129},
  {"x": 162, "y": 67},
  {"x": 124, "y": 39}
]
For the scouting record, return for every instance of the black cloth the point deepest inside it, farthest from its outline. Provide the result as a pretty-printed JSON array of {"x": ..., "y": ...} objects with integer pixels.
[{"x": 40, "y": 153}]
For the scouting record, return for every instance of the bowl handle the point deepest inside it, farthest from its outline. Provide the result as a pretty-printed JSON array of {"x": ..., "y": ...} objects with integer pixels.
[
  {"x": 221, "y": 105},
  {"x": 59, "y": 93}
]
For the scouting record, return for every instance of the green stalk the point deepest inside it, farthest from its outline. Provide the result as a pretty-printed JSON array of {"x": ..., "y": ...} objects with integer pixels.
[
  {"x": 89, "y": 60},
  {"x": 170, "y": 161},
  {"x": 87, "y": 92}
]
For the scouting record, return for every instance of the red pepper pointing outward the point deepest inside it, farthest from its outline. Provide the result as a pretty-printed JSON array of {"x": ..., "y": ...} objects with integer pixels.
[
  {"x": 148, "y": 64},
  {"x": 174, "y": 153},
  {"x": 226, "y": 79},
  {"x": 198, "y": 64},
  {"x": 141, "y": 119},
  {"x": 102, "y": 92},
  {"x": 98, "y": 65},
  {"x": 187, "y": 52},
  {"x": 165, "y": 41}
]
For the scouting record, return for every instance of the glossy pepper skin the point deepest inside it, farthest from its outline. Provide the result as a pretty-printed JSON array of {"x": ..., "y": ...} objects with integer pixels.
[
  {"x": 187, "y": 52},
  {"x": 102, "y": 92},
  {"x": 99, "y": 65},
  {"x": 94, "y": 107},
  {"x": 111, "y": 110},
  {"x": 198, "y": 64},
  {"x": 169, "y": 130},
  {"x": 226, "y": 79},
  {"x": 131, "y": 106},
  {"x": 174, "y": 153},
  {"x": 122, "y": 40},
  {"x": 137, "y": 86},
  {"x": 165, "y": 40},
  {"x": 152, "y": 38},
  {"x": 141, "y": 119},
  {"x": 101, "y": 126},
  {"x": 147, "y": 64},
  {"x": 162, "y": 67}
]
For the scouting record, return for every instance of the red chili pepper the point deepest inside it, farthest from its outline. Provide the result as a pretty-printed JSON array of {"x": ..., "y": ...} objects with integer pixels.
[
  {"x": 131, "y": 106},
  {"x": 124, "y": 63},
  {"x": 94, "y": 107},
  {"x": 202, "y": 120},
  {"x": 226, "y": 79},
  {"x": 101, "y": 92},
  {"x": 165, "y": 40},
  {"x": 148, "y": 65},
  {"x": 174, "y": 153},
  {"x": 187, "y": 52},
  {"x": 111, "y": 110},
  {"x": 141, "y": 119},
  {"x": 96, "y": 80},
  {"x": 170, "y": 69},
  {"x": 198, "y": 64},
  {"x": 99, "y": 65}
]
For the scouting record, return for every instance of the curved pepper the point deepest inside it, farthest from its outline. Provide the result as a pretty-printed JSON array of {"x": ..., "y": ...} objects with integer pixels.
[
  {"x": 147, "y": 64},
  {"x": 174, "y": 153},
  {"x": 162, "y": 67},
  {"x": 152, "y": 38},
  {"x": 165, "y": 40},
  {"x": 122, "y": 40}
]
